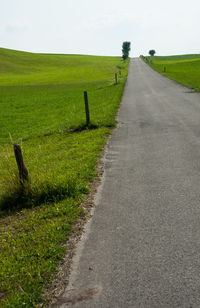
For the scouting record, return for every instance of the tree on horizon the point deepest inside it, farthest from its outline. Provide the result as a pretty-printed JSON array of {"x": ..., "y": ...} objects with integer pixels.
[
  {"x": 126, "y": 47},
  {"x": 152, "y": 52}
]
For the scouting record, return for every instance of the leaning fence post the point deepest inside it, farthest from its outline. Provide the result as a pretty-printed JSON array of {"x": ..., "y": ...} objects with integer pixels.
[
  {"x": 115, "y": 78},
  {"x": 23, "y": 172},
  {"x": 86, "y": 108}
]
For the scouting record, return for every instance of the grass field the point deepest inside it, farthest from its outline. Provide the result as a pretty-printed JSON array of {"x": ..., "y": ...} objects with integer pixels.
[
  {"x": 184, "y": 69},
  {"x": 42, "y": 108}
]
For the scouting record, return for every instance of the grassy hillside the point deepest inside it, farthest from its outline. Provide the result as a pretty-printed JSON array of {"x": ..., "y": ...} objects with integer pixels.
[
  {"x": 23, "y": 68},
  {"x": 184, "y": 69},
  {"x": 41, "y": 94},
  {"x": 42, "y": 108}
]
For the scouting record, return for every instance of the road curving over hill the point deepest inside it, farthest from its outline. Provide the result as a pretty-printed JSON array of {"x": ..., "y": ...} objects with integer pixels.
[{"x": 142, "y": 246}]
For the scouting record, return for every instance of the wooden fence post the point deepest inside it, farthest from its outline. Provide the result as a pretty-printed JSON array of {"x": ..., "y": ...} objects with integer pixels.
[
  {"x": 164, "y": 69},
  {"x": 87, "y": 108},
  {"x": 23, "y": 172}
]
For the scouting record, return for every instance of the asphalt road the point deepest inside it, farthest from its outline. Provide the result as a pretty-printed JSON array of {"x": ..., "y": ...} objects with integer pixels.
[{"x": 142, "y": 247}]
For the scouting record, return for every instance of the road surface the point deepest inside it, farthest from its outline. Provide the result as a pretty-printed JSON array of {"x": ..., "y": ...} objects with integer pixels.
[{"x": 142, "y": 247}]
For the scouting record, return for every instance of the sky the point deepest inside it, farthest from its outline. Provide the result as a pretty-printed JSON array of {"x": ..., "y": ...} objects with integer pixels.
[{"x": 99, "y": 27}]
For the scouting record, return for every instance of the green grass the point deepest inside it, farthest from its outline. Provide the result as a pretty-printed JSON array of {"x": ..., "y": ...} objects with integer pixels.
[
  {"x": 184, "y": 69},
  {"x": 42, "y": 108}
]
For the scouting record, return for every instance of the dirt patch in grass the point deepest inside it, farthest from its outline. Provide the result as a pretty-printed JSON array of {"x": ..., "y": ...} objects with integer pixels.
[
  {"x": 79, "y": 297},
  {"x": 3, "y": 294}
]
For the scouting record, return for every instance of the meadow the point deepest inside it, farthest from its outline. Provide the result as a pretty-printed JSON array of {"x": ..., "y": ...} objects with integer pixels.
[
  {"x": 42, "y": 109},
  {"x": 184, "y": 69}
]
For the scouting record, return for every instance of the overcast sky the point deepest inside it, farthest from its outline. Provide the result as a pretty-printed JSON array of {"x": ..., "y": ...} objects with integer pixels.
[{"x": 99, "y": 27}]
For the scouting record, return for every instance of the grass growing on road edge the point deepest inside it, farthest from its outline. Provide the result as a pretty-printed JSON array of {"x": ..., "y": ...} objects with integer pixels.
[
  {"x": 184, "y": 69},
  {"x": 61, "y": 158}
]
